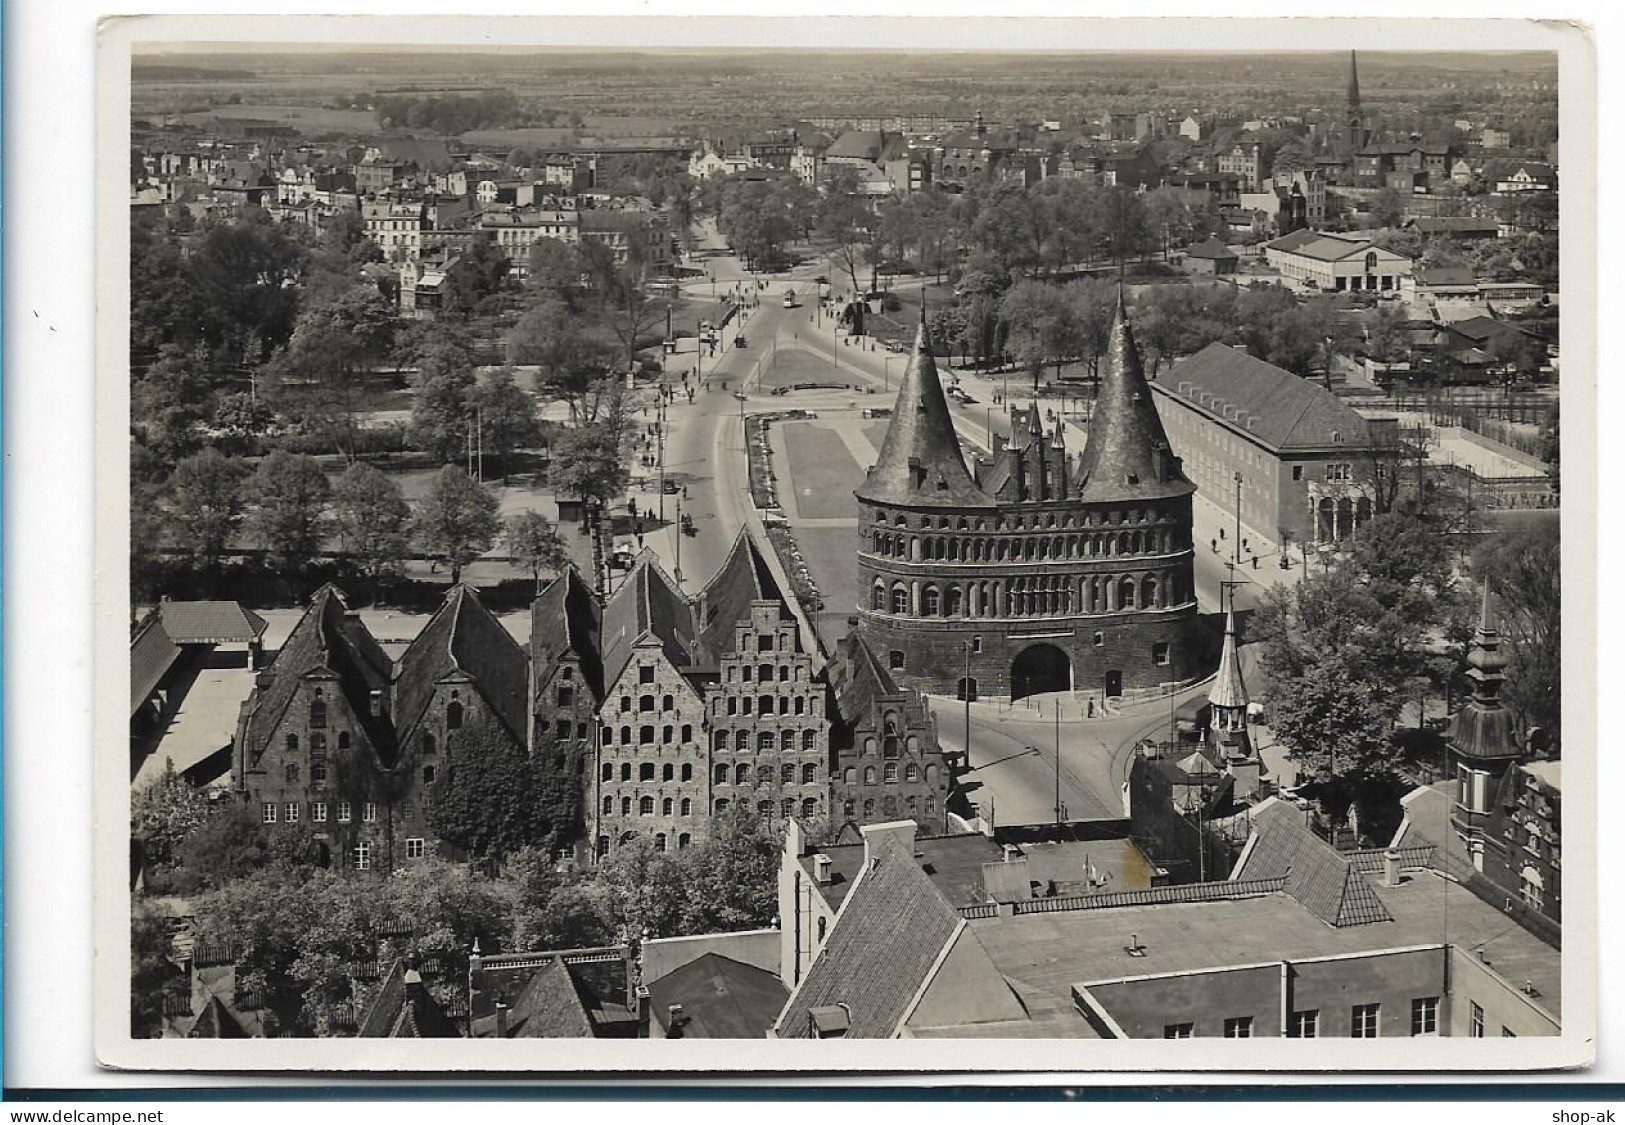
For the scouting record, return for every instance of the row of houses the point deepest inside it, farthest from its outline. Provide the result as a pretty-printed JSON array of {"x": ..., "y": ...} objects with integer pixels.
[{"x": 648, "y": 713}]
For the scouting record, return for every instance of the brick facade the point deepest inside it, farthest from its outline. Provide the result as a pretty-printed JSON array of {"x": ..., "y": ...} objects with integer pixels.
[{"x": 765, "y": 722}]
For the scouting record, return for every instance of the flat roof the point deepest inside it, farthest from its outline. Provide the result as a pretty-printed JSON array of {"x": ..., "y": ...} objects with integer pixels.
[
  {"x": 954, "y": 864},
  {"x": 1050, "y": 952}
]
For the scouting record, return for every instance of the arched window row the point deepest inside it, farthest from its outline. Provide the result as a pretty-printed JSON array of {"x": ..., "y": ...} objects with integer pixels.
[
  {"x": 1113, "y": 544},
  {"x": 1033, "y": 596}
]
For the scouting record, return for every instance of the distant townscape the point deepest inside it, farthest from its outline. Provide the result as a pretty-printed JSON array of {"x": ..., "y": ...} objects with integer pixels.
[{"x": 640, "y": 545}]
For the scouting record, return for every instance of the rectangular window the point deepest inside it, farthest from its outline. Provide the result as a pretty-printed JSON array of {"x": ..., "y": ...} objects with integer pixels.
[
  {"x": 268, "y": 813},
  {"x": 1159, "y": 653},
  {"x": 363, "y": 856},
  {"x": 1475, "y": 1020},
  {"x": 1177, "y": 1030},
  {"x": 1365, "y": 1020},
  {"x": 646, "y": 673},
  {"x": 290, "y": 812},
  {"x": 1304, "y": 1025},
  {"x": 1425, "y": 1015},
  {"x": 344, "y": 812},
  {"x": 318, "y": 812},
  {"x": 1297, "y": 472},
  {"x": 318, "y": 773},
  {"x": 414, "y": 848},
  {"x": 369, "y": 812},
  {"x": 1238, "y": 1027}
]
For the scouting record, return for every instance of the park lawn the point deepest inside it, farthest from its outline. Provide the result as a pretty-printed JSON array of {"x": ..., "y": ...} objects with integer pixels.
[
  {"x": 823, "y": 472},
  {"x": 831, "y": 555}
]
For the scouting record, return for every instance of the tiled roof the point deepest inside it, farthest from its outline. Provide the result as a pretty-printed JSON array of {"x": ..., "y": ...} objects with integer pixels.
[
  {"x": 326, "y": 640},
  {"x": 1322, "y": 880},
  {"x": 888, "y": 936},
  {"x": 402, "y": 1008},
  {"x": 1443, "y": 224},
  {"x": 721, "y": 998},
  {"x": 462, "y": 636},
  {"x": 192, "y": 623},
  {"x": 152, "y": 655},
  {"x": 1212, "y": 248},
  {"x": 743, "y": 578},
  {"x": 1272, "y": 404},
  {"x": 566, "y": 617},
  {"x": 1126, "y": 455},
  {"x": 1321, "y": 247},
  {"x": 921, "y": 464},
  {"x": 648, "y": 602},
  {"x": 1445, "y": 275},
  {"x": 549, "y": 1007},
  {"x": 215, "y": 1021}
]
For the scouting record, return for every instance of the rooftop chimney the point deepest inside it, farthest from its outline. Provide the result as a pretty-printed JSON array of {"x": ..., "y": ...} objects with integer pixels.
[
  {"x": 675, "y": 1021},
  {"x": 1390, "y": 868},
  {"x": 821, "y": 869}
]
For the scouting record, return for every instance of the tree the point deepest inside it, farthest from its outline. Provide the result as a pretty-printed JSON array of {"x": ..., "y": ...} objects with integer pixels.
[
  {"x": 373, "y": 519},
  {"x": 245, "y": 274},
  {"x": 443, "y": 407},
  {"x": 206, "y": 497},
  {"x": 487, "y": 801},
  {"x": 556, "y": 270},
  {"x": 457, "y": 520},
  {"x": 169, "y": 403},
  {"x": 154, "y": 978},
  {"x": 506, "y": 416},
  {"x": 321, "y": 378},
  {"x": 624, "y": 304},
  {"x": 842, "y": 230},
  {"x": 289, "y": 494},
  {"x": 474, "y": 280},
  {"x": 227, "y": 844},
  {"x": 163, "y": 815},
  {"x": 1387, "y": 208},
  {"x": 533, "y": 539},
  {"x": 1524, "y": 573},
  {"x": 732, "y": 876},
  {"x": 646, "y": 890},
  {"x": 240, "y": 420},
  {"x": 1551, "y": 444},
  {"x": 1333, "y": 660},
  {"x": 1037, "y": 317},
  {"x": 571, "y": 362}
]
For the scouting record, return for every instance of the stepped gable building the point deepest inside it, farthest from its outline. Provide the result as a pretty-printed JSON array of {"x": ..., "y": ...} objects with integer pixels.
[
  {"x": 710, "y": 703},
  {"x": 887, "y": 762},
  {"x": 336, "y": 739},
  {"x": 1038, "y": 573},
  {"x": 766, "y": 708}
]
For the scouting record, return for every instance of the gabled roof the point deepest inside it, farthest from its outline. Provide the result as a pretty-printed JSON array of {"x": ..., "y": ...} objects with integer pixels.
[
  {"x": 1325, "y": 247},
  {"x": 1272, "y": 404},
  {"x": 1454, "y": 224},
  {"x": 1212, "y": 248},
  {"x": 890, "y": 933},
  {"x": 743, "y": 578},
  {"x": 462, "y": 636},
  {"x": 152, "y": 655},
  {"x": 566, "y": 618},
  {"x": 216, "y": 1021},
  {"x": 402, "y": 1008},
  {"x": 648, "y": 603},
  {"x": 549, "y": 1007},
  {"x": 1322, "y": 880},
  {"x": 921, "y": 463},
  {"x": 1445, "y": 275},
  {"x": 721, "y": 999},
  {"x": 193, "y": 623},
  {"x": 860, "y": 679},
  {"x": 1126, "y": 455},
  {"x": 327, "y": 640}
]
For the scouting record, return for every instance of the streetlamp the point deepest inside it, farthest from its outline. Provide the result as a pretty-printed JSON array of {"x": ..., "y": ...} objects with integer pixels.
[
  {"x": 967, "y": 694},
  {"x": 1236, "y": 547}
]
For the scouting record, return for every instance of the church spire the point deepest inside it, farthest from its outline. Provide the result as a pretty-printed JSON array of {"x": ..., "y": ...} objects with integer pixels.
[
  {"x": 920, "y": 460},
  {"x": 1229, "y": 690},
  {"x": 1356, "y": 135},
  {"x": 1483, "y": 727},
  {"x": 1126, "y": 455}
]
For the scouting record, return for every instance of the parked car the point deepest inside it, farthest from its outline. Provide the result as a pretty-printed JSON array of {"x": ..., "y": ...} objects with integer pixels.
[
  {"x": 670, "y": 487},
  {"x": 739, "y": 340}
]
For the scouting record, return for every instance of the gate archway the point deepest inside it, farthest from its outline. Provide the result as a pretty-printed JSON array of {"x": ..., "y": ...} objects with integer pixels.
[{"x": 1040, "y": 668}]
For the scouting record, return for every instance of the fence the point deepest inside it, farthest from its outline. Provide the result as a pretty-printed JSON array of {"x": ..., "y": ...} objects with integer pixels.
[{"x": 1218, "y": 891}]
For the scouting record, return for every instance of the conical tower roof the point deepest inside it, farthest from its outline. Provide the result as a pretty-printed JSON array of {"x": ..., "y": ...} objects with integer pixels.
[
  {"x": 1127, "y": 456},
  {"x": 920, "y": 460},
  {"x": 1228, "y": 689},
  {"x": 1354, "y": 84}
]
